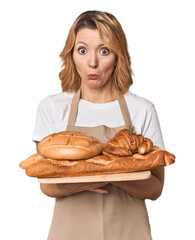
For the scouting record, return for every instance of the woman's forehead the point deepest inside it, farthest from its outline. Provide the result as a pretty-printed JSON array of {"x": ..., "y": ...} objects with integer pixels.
[{"x": 88, "y": 36}]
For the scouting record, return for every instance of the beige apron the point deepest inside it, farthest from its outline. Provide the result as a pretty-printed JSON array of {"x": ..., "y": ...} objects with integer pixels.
[{"x": 93, "y": 216}]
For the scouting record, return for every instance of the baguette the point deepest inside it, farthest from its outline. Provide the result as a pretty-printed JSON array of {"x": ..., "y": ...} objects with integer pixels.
[
  {"x": 99, "y": 165},
  {"x": 32, "y": 159}
]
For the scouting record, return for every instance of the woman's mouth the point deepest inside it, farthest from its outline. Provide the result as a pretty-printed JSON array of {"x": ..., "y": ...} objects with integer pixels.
[{"x": 93, "y": 76}]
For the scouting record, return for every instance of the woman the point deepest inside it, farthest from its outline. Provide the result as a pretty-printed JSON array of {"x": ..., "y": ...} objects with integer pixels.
[{"x": 96, "y": 100}]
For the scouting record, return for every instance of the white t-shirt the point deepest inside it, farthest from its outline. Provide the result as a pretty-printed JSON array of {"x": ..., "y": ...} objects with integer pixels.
[{"x": 53, "y": 113}]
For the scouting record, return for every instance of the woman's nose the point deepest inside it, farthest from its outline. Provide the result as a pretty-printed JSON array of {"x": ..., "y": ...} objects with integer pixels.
[{"x": 93, "y": 60}]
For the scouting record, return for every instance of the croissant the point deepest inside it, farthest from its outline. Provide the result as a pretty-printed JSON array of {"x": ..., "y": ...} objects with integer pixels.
[{"x": 125, "y": 143}]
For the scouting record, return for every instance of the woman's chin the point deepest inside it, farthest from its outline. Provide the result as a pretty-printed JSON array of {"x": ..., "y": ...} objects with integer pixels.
[{"x": 94, "y": 84}]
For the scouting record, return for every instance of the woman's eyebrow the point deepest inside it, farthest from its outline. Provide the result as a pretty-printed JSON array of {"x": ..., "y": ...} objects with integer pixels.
[{"x": 81, "y": 43}]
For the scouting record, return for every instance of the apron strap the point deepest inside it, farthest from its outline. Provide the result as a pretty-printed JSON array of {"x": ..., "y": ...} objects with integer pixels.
[
  {"x": 125, "y": 110},
  {"x": 74, "y": 108},
  {"x": 122, "y": 104}
]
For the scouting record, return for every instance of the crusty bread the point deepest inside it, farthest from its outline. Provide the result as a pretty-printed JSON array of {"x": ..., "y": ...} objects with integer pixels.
[
  {"x": 69, "y": 145},
  {"x": 99, "y": 165},
  {"x": 32, "y": 159},
  {"x": 124, "y": 143}
]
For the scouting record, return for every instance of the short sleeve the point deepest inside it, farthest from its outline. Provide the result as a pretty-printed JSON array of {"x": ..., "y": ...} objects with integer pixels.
[
  {"x": 44, "y": 124},
  {"x": 151, "y": 128}
]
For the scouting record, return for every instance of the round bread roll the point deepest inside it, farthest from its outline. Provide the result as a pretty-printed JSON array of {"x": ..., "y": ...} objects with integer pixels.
[{"x": 70, "y": 145}]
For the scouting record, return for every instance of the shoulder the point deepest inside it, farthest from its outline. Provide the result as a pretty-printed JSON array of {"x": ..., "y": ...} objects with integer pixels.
[
  {"x": 138, "y": 103},
  {"x": 61, "y": 97},
  {"x": 54, "y": 100},
  {"x": 142, "y": 112}
]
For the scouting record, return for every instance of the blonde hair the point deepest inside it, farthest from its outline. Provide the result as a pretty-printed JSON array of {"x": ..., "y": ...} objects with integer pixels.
[{"x": 112, "y": 36}]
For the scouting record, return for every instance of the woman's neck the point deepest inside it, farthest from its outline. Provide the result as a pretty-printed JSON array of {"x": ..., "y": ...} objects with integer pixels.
[{"x": 98, "y": 95}]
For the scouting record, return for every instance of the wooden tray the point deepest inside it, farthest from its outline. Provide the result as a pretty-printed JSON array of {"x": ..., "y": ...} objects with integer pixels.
[{"x": 99, "y": 178}]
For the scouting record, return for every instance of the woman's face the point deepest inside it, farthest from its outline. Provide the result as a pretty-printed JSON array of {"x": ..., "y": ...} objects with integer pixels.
[{"x": 93, "y": 60}]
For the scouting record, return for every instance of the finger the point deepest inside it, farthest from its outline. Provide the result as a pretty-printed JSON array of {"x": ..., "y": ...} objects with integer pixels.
[{"x": 99, "y": 190}]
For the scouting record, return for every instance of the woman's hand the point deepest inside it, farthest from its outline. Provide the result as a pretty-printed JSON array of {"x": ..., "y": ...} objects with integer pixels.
[{"x": 61, "y": 190}]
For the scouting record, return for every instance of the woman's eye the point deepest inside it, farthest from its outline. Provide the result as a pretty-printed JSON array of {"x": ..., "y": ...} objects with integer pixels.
[
  {"x": 82, "y": 50},
  {"x": 104, "y": 51}
]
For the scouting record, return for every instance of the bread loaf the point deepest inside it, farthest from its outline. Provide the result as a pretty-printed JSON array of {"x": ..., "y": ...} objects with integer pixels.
[
  {"x": 124, "y": 143},
  {"x": 68, "y": 154},
  {"x": 32, "y": 159},
  {"x": 98, "y": 165},
  {"x": 69, "y": 145}
]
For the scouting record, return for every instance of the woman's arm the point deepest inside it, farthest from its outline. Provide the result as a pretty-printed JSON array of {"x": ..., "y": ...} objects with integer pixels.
[
  {"x": 145, "y": 189},
  {"x": 68, "y": 189},
  {"x": 152, "y": 187}
]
